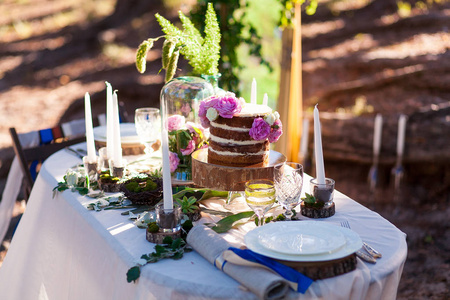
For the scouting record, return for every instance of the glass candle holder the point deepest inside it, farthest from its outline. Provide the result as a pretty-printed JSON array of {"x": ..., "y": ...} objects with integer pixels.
[
  {"x": 103, "y": 159},
  {"x": 91, "y": 170},
  {"x": 117, "y": 170},
  {"x": 168, "y": 220},
  {"x": 323, "y": 192}
]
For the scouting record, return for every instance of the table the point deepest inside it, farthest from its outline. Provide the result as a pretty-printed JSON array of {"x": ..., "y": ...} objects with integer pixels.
[{"x": 61, "y": 250}]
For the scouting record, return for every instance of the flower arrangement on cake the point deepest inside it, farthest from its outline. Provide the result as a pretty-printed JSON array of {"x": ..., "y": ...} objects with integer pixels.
[
  {"x": 184, "y": 138},
  {"x": 240, "y": 132}
]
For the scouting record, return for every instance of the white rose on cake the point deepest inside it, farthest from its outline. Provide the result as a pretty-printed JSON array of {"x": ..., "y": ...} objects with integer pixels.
[
  {"x": 212, "y": 114},
  {"x": 271, "y": 118}
]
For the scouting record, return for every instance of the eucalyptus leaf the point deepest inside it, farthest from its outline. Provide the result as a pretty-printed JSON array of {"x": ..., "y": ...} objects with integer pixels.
[
  {"x": 227, "y": 223},
  {"x": 133, "y": 274}
]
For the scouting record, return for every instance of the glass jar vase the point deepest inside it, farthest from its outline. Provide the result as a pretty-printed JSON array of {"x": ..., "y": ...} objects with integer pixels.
[{"x": 180, "y": 101}]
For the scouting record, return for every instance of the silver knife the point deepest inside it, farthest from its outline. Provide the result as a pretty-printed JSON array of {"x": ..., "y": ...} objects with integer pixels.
[
  {"x": 366, "y": 257},
  {"x": 371, "y": 250}
]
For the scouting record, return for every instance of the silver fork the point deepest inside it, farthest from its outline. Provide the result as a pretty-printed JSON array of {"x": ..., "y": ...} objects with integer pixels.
[{"x": 373, "y": 254}]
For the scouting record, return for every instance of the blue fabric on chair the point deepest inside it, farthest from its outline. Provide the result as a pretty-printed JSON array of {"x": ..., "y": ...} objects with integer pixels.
[
  {"x": 46, "y": 135},
  {"x": 303, "y": 282}
]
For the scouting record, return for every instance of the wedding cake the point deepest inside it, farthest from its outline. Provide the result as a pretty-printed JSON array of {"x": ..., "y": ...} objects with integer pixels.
[{"x": 240, "y": 132}]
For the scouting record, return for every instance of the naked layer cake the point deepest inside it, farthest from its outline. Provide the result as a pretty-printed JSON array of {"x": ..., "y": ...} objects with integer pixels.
[{"x": 240, "y": 133}]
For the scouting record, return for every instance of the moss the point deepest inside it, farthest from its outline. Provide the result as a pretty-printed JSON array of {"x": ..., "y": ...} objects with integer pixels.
[{"x": 152, "y": 227}]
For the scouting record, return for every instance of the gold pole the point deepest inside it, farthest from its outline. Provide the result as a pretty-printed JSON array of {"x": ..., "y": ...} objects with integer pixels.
[{"x": 290, "y": 105}]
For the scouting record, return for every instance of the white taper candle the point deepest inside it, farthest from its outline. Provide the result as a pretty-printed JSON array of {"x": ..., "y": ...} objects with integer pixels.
[
  {"x": 167, "y": 180},
  {"x": 320, "y": 168},
  {"x": 117, "y": 148},
  {"x": 265, "y": 99},
  {"x": 109, "y": 120},
  {"x": 253, "y": 92},
  {"x": 89, "y": 129}
]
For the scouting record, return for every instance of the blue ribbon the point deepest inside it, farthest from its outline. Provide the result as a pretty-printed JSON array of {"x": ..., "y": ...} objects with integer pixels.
[{"x": 286, "y": 272}]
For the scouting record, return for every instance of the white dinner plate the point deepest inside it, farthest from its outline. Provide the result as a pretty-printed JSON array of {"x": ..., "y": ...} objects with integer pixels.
[
  {"x": 128, "y": 134},
  {"x": 301, "y": 239},
  {"x": 352, "y": 241}
]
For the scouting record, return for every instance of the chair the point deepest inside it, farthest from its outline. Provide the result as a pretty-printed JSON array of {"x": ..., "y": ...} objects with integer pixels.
[{"x": 50, "y": 141}]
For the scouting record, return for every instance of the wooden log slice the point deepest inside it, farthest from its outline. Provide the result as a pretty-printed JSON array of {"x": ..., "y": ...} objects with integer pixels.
[
  {"x": 324, "y": 269},
  {"x": 109, "y": 187},
  {"x": 158, "y": 237},
  {"x": 317, "y": 213},
  {"x": 224, "y": 178}
]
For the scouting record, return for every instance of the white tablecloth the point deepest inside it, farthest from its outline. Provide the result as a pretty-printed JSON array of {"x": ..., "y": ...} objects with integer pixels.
[{"x": 61, "y": 250}]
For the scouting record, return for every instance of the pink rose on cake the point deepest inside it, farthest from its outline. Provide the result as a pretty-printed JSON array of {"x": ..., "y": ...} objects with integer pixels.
[
  {"x": 225, "y": 106},
  {"x": 175, "y": 122},
  {"x": 203, "y": 109},
  {"x": 275, "y": 131},
  {"x": 260, "y": 129},
  {"x": 228, "y": 105},
  {"x": 270, "y": 127}
]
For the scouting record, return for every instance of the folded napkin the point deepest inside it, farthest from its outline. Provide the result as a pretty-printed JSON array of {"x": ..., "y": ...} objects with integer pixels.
[
  {"x": 246, "y": 257},
  {"x": 263, "y": 282}
]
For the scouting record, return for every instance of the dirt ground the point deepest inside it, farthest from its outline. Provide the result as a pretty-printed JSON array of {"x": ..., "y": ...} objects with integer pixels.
[{"x": 51, "y": 53}]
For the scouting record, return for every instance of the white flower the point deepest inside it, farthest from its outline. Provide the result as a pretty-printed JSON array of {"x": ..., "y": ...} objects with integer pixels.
[
  {"x": 140, "y": 262},
  {"x": 242, "y": 101},
  {"x": 277, "y": 115},
  {"x": 212, "y": 114},
  {"x": 270, "y": 119},
  {"x": 72, "y": 178}
]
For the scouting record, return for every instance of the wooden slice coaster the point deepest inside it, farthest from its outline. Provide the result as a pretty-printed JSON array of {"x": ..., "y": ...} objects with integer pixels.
[
  {"x": 109, "y": 187},
  {"x": 158, "y": 237},
  {"x": 324, "y": 269},
  {"x": 317, "y": 213}
]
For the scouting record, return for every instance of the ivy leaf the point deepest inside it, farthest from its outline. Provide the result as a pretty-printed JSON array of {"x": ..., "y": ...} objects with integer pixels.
[
  {"x": 168, "y": 240},
  {"x": 227, "y": 223},
  {"x": 133, "y": 274},
  {"x": 176, "y": 243},
  {"x": 82, "y": 190}
]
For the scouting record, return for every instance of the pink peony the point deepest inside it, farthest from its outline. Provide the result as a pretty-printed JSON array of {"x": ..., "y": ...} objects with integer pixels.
[
  {"x": 193, "y": 127},
  {"x": 175, "y": 122},
  {"x": 276, "y": 131},
  {"x": 205, "y": 122},
  {"x": 260, "y": 129},
  {"x": 174, "y": 161},
  {"x": 189, "y": 149},
  {"x": 228, "y": 105},
  {"x": 204, "y": 105}
]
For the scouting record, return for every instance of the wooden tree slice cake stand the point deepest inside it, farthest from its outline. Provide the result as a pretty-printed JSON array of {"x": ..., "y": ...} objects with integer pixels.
[{"x": 231, "y": 179}]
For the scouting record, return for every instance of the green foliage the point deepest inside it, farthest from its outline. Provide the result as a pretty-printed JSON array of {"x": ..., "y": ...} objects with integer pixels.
[
  {"x": 170, "y": 248},
  {"x": 152, "y": 227},
  {"x": 202, "y": 53},
  {"x": 227, "y": 223},
  {"x": 141, "y": 55},
  {"x": 133, "y": 274},
  {"x": 188, "y": 205},
  {"x": 236, "y": 30},
  {"x": 311, "y": 201},
  {"x": 288, "y": 12}
]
